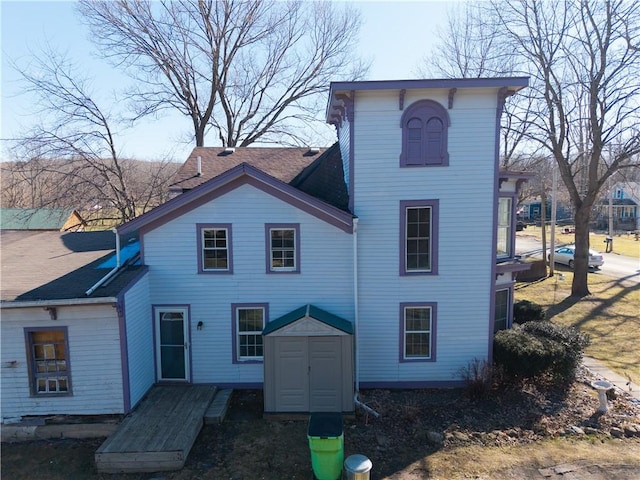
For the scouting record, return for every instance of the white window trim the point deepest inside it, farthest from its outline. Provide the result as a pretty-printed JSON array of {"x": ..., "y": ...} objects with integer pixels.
[
  {"x": 431, "y": 331},
  {"x": 506, "y": 228},
  {"x": 238, "y": 334},
  {"x": 293, "y": 227}
]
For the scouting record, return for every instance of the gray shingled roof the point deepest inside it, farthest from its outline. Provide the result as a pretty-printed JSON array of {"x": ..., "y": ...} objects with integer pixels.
[
  {"x": 281, "y": 163},
  {"x": 40, "y": 266},
  {"x": 319, "y": 174}
]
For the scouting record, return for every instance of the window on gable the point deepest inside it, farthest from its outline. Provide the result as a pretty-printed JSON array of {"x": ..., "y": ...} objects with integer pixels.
[
  {"x": 504, "y": 232},
  {"x": 419, "y": 220},
  {"x": 214, "y": 248},
  {"x": 249, "y": 321},
  {"x": 417, "y": 331},
  {"x": 48, "y": 353},
  {"x": 283, "y": 248},
  {"x": 424, "y": 135}
]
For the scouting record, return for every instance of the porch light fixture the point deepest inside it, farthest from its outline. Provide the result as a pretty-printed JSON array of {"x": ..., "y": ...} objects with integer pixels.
[{"x": 53, "y": 313}]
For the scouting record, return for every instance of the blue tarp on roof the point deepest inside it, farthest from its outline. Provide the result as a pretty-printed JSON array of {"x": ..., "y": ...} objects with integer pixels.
[{"x": 126, "y": 253}]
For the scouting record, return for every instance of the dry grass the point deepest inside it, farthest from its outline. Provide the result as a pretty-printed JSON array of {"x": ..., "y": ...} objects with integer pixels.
[
  {"x": 522, "y": 461},
  {"x": 623, "y": 244},
  {"x": 609, "y": 315}
]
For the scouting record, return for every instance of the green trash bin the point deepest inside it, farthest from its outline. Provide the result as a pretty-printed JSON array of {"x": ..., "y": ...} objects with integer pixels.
[{"x": 326, "y": 442}]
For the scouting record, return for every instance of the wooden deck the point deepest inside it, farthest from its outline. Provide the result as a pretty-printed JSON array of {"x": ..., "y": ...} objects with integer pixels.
[{"x": 159, "y": 433}]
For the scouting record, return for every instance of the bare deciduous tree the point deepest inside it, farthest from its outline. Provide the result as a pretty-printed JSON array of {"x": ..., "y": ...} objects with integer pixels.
[
  {"x": 70, "y": 157},
  {"x": 583, "y": 102},
  {"x": 468, "y": 46},
  {"x": 249, "y": 69},
  {"x": 584, "y": 84}
]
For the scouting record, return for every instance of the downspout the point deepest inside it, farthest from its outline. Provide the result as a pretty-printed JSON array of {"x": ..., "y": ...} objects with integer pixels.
[
  {"x": 357, "y": 402},
  {"x": 112, "y": 272}
]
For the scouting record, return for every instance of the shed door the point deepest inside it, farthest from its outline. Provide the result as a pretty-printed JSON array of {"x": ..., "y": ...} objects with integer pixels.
[
  {"x": 292, "y": 375},
  {"x": 308, "y": 374},
  {"x": 325, "y": 374}
]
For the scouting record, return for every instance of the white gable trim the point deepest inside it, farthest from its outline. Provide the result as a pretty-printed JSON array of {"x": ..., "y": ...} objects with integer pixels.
[{"x": 307, "y": 327}]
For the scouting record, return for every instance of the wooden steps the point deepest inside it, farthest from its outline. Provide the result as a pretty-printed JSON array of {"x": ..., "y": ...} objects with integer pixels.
[
  {"x": 218, "y": 408},
  {"x": 159, "y": 433}
]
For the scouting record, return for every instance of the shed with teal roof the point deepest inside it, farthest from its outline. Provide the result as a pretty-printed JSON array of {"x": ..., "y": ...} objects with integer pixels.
[{"x": 308, "y": 362}]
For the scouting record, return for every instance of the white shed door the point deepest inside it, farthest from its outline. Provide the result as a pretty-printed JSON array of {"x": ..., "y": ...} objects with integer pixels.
[
  {"x": 325, "y": 374},
  {"x": 292, "y": 377},
  {"x": 308, "y": 374}
]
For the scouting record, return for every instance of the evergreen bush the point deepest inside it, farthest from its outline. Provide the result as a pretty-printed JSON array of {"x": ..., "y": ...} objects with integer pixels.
[
  {"x": 525, "y": 311},
  {"x": 539, "y": 348}
]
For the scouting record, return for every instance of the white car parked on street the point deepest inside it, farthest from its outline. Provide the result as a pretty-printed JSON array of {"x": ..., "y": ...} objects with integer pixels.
[{"x": 564, "y": 255}]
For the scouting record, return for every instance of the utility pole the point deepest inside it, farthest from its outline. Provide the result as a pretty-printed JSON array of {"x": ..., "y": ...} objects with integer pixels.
[{"x": 554, "y": 207}]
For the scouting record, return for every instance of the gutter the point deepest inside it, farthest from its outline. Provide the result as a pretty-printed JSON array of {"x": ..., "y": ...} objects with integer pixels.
[
  {"x": 58, "y": 303},
  {"x": 112, "y": 272},
  {"x": 356, "y": 400}
]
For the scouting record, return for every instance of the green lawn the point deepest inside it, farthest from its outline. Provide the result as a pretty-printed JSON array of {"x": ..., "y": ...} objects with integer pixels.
[{"x": 609, "y": 315}]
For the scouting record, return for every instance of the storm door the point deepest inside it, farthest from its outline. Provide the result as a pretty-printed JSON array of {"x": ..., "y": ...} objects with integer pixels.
[{"x": 172, "y": 344}]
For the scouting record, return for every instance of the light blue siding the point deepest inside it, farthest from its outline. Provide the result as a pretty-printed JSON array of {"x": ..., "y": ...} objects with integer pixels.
[
  {"x": 325, "y": 280},
  {"x": 94, "y": 360},
  {"x": 465, "y": 190},
  {"x": 139, "y": 326}
]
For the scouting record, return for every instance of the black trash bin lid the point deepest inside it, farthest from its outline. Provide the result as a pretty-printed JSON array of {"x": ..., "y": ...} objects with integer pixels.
[{"x": 325, "y": 424}]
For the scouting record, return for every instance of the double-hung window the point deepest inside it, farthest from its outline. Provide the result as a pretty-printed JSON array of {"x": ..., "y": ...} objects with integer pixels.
[
  {"x": 504, "y": 227},
  {"x": 502, "y": 308},
  {"x": 248, "y": 323},
  {"x": 214, "y": 248},
  {"x": 48, "y": 353},
  {"x": 283, "y": 248},
  {"x": 418, "y": 237},
  {"x": 417, "y": 331}
]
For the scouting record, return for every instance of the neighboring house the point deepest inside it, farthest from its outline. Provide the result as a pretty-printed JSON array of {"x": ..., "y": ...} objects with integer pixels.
[
  {"x": 624, "y": 199},
  {"x": 56, "y": 219},
  {"x": 532, "y": 211},
  {"x": 313, "y": 273}
]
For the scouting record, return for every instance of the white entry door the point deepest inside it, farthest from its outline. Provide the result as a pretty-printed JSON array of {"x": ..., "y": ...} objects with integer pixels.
[{"x": 172, "y": 344}]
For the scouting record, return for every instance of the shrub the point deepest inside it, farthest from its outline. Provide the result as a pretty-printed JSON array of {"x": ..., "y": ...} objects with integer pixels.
[
  {"x": 478, "y": 378},
  {"x": 525, "y": 311},
  {"x": 540, "y": 348}
]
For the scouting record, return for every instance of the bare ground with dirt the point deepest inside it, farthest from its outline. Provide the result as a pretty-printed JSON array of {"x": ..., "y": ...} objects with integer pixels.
[{"x": 414, "y": 426}]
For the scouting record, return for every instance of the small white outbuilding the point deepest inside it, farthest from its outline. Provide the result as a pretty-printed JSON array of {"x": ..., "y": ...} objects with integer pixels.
[{"x": 308, "y": 363}]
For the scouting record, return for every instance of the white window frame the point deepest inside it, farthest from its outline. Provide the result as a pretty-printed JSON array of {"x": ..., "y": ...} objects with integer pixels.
[
  {"x": 429, "y": 331},
  {"x": 503, "y": 234},
  {"x": 271, "y": 249},
  {"x": 428, "y": 239},
  {"x": 202, "y": 248},
  {"x": 248, "y": 333}
]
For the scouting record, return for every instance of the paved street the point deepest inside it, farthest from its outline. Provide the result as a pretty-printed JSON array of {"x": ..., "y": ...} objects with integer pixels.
[{"x": 616, "y": 266}]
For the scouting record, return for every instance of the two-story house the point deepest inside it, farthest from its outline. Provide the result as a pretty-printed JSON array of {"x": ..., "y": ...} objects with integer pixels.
[{"x": 313, "y": 273}]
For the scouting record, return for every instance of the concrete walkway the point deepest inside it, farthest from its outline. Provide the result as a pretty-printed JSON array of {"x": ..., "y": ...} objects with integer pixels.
[{"x": 618, "y": 381}]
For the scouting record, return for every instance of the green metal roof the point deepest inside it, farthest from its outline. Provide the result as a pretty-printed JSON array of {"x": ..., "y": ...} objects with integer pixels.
[
  {"x": 309, "y": 311},
  {"x": 34, "y": 218}
]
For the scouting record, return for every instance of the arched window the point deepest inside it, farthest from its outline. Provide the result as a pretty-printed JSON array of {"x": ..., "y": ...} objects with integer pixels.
[{"x": 424, "y": 135}]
